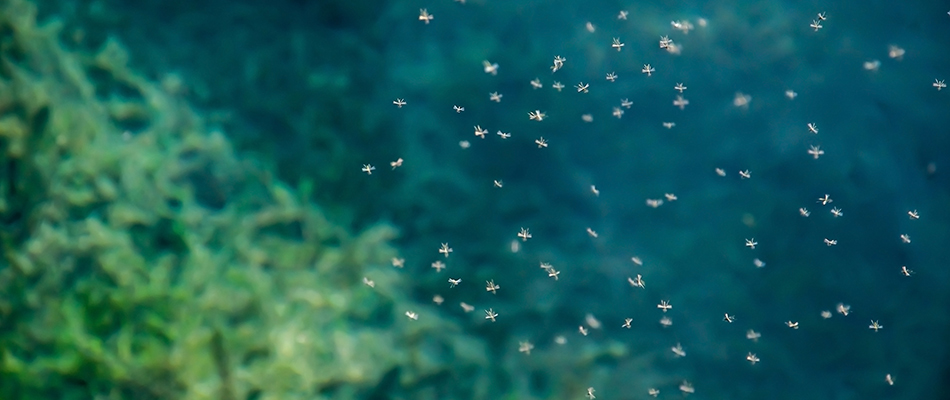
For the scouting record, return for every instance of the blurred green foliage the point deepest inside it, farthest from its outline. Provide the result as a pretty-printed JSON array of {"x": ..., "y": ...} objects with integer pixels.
[{"x": 143, "y": 259}]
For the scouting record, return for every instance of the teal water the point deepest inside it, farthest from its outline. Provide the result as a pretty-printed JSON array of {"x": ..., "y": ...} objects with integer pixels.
[{"x": 310, "y": 88}]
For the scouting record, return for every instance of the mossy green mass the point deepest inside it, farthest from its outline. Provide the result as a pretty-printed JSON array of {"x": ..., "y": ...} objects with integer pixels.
[{"x": 142, "y": 258}]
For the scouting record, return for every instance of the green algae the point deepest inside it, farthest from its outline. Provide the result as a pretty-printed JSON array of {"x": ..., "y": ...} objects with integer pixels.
[{"x": 143, "y": 258}]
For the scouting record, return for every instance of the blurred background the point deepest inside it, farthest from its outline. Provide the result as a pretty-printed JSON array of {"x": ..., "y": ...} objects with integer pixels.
[{"x": 185, "y": 215}]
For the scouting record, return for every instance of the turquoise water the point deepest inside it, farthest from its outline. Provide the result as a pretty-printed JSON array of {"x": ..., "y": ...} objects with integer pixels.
[{"x": 310, "y": 88}]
